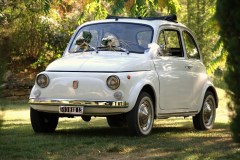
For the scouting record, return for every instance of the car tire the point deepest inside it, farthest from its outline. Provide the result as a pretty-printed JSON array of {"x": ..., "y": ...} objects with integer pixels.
[
  {"x": 140, "y": 118},
  {"x": 117, "y": 120},
  {"x": 43, "y": 122},
  {"x": 204, "y": 120}
]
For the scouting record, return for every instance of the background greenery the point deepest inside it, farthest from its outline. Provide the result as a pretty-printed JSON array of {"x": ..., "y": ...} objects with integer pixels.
[
  {"x": 228, "y": 15},
  {"x": 35, "y": 32}
]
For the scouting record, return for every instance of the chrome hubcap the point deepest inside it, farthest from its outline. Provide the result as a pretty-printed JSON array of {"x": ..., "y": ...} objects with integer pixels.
[
  {"x": 208, "y": 111},
  {"x": 145, "y": 114}
]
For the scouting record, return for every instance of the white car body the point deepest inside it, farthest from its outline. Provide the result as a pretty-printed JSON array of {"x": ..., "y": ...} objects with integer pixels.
[{"x": 177, "y": 84}]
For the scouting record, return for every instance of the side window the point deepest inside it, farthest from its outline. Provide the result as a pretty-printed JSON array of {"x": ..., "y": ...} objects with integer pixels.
[
  {"x": 190, "y": 46},
  {"x": 170, "y": 40},
  {"x": 161, "y": 39}
]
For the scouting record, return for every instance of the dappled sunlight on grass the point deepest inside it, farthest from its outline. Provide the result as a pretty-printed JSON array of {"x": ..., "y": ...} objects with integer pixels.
[
  {"x": 222, "y": 110},
  {"x": 173, "y": 138},
  {"x": 23, "y": 115},
  {"x": 15, "y": 118},
  {"x": 77, "y": 122}
]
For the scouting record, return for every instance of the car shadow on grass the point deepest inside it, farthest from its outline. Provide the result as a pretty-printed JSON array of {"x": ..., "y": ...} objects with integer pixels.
[
  {"x": 157, "y": 130},
  {"x": 94, "y": 131}
]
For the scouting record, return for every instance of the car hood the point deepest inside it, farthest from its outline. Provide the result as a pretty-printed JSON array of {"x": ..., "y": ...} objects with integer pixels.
[{"x": 113, "y": 62}]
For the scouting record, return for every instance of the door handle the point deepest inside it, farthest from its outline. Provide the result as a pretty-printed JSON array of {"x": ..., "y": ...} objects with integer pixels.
[{"x": 188, "y": 67}]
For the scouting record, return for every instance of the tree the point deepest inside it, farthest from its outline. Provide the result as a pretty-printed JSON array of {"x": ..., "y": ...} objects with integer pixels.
[
  {"x": 31, "y": 34},
  {"x": 56, "y": 20},
  {"x": 5, "y": 19},
  {"x": 199, "y": 16},
  {"x": 228, "y": 16}
]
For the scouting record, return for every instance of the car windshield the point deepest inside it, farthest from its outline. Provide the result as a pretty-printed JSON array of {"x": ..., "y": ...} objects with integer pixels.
[{"x": 125, "y": 37}]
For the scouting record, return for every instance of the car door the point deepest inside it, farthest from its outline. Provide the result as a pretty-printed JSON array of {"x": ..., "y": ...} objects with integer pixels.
[
  {"x": 174, "y": 73},
  {"x": 197, "y": 70}
]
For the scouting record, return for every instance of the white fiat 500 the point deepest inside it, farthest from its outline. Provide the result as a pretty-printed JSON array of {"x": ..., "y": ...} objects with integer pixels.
[{"x": 129, "y": 70}]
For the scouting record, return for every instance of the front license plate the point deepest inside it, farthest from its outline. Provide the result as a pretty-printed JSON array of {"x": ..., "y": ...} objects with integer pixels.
[{"x": 71, "y": 109}]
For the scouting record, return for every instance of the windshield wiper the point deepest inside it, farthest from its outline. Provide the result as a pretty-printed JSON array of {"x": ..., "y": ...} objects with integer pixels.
[
  {"x": 122, "y": 49},
  {"x": 90, "y": 48},
  {"x": 112, "y": 49}
]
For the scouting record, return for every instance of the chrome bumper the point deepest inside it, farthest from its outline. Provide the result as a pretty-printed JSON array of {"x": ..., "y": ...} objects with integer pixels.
[{"x": 73, "y": 102}]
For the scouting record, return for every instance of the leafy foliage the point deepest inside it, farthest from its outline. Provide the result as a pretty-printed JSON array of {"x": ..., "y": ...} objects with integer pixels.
[
  {"x": 230, "y": 29},
  {"x": 199, "y": 16},
  {"x": 35, "y": 39},
  {"x": 38, "y": 31}
]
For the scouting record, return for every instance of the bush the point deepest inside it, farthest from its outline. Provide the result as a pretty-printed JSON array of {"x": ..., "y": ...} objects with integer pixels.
[
  {"x": 229, "y": 31},
  {"x": 4, "y": 54},
  {"x": 35, "y": 37}
]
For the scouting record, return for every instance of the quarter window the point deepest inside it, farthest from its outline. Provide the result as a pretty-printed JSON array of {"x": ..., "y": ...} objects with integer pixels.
[{"x": 190, "y": 46}]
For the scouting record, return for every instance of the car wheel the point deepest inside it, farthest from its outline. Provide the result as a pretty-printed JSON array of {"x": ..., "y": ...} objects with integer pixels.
[
  {"x": 140, "y": 118},
  {"x": 205, "y": 118},
  {"x": 117, "y": 120},
  {"x": 43, "y": 122}
]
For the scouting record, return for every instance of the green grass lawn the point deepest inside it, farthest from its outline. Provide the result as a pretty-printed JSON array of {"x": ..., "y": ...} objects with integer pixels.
[{"x": 173, "y": 138}]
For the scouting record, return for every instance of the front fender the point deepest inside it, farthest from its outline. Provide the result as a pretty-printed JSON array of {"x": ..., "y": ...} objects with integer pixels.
[{"x": 150, "y": 79}]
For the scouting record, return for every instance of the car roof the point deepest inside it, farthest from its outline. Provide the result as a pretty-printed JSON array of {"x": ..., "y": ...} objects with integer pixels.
[{"x": 155, "y": 23}]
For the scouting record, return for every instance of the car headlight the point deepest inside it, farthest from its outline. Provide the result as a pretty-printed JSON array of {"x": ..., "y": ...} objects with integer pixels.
[
  {"x": 42, "y": 80},
  {"x": 113, "y": 82}
]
